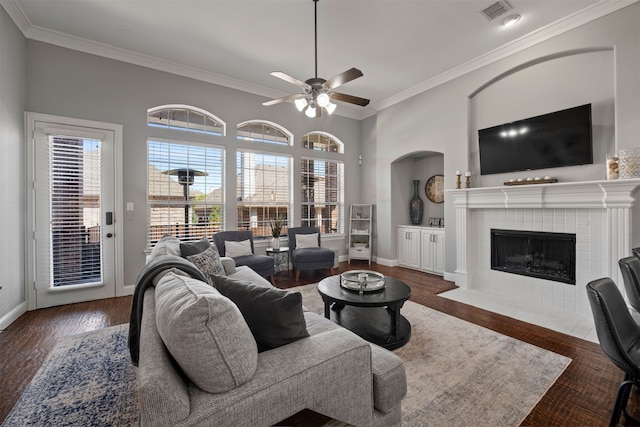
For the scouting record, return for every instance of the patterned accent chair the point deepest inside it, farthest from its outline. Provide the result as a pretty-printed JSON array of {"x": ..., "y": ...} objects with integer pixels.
[
  {"x": 309, "y": 255},
  {"x": 261, "y": 264}
]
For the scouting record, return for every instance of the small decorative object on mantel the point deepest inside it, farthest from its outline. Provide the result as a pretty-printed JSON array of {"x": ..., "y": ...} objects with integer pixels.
[
  {"x": 467, "y": 174},
  {"x": 458, "y": 183},
  {"x": 536, "y": 180},
  {"x": 629, "y": 163},
  {"x": 612, "y": 166},
  {"x": 416, "y": 206}
]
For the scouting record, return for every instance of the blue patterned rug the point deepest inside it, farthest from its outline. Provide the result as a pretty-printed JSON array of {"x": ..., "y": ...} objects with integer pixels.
[{"x": 87, "y": 380}]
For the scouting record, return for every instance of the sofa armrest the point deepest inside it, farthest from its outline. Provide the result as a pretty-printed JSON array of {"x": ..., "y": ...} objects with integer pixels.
[
  {"x": 164, "y": 396},
  {"x": 330, "y": 373},
  {"x": 229, "y": 265}
]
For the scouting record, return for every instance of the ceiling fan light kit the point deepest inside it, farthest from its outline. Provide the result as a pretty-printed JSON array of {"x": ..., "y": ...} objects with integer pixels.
[{"x": 318, "y": 93}]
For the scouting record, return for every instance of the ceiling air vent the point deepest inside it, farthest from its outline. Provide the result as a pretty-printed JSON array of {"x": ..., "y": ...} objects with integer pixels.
[{"x": 496, "y": 9}]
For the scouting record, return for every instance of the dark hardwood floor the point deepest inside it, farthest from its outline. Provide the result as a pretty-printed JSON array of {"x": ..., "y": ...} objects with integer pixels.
[{"x": 582, "y": 396}]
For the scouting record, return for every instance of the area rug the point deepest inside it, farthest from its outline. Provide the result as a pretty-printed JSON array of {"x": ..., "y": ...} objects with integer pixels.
[
  {"x": 87, "y": 380},
  {"x": 461, "y": 374},
  {"x": 458, "y": 374}
]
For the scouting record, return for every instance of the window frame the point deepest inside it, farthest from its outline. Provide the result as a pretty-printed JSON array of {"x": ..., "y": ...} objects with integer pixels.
[
  {"x": 188, "y": 108},
  {"x": 286, "y": 132},
  {"x": 340, "y": 204},
  {"x": 263, "y": 223},
  {"x": 180, "y": 204}
]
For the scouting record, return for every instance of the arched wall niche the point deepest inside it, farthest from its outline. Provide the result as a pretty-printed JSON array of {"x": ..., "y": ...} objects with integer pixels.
[
  {"x": 543, "y": 85},
  {"x": 420, "y": 165}
]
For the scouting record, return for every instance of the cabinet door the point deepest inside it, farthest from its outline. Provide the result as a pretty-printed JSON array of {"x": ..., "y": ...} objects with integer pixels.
[
  {"x": 427, "y": 251},
  {"x": 409, "y": 247},
  {"x": 438, "y": 252}
]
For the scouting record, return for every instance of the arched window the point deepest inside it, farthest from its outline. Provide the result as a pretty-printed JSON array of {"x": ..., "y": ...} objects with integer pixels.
[
  {"x": 185, "y": 179},
  {"x": 322, "y": 141},
  {"x": 264, "y": 131},
  {"x": 185, "y": 117},
  {"x": 322, "y": 201}
]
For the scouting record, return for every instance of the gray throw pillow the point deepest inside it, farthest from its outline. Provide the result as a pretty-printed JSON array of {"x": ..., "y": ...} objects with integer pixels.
[
  {"x": 208, "y": 262},
  {"x": 167, "y": 245},
  {"x": 205, "y": 333},
  {"x": 274, "y": 315},
  {"x": 192, "y": 248}
]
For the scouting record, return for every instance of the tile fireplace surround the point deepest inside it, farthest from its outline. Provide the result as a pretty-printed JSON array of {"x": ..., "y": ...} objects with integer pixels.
[{"x": 599, "y": 213}]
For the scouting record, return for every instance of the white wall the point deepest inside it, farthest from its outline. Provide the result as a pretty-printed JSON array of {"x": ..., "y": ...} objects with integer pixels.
[
  {"x": 12, "y": 100},
  {"x": 74, "y": 84},
  {"x": 441, "y": 119}
]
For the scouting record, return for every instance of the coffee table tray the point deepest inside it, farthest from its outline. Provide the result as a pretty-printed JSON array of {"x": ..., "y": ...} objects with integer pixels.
[{"x": 362, "y": 280}]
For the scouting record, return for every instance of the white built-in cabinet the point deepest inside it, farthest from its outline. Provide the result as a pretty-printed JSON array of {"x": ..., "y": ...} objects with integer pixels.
[
  {"x": 421, "y": 248},
  {"x": 409, "y": 247},
  {"x": 360, "y": 226}
]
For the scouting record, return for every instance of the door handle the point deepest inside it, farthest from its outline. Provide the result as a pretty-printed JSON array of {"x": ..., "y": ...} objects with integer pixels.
[{"x": 110, "y": 234}]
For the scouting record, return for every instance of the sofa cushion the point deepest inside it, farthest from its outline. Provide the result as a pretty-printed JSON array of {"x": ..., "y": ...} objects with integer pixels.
[
  {"x": 192, "y": 248},
  {"x": 208, "y": 262},
  {"x": 274, "y": 315},
  {"x": 167, "y": 245},
  {"x": 205, "y": 333},
  {"x": 306, "y": 241},
  {"x": 235, "y": 249}
]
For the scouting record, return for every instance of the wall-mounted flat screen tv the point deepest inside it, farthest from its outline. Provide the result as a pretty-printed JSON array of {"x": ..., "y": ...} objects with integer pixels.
[{"x": 553, "y": 140}]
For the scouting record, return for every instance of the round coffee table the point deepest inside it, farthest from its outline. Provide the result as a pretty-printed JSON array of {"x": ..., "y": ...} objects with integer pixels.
[{"x": 375, "y": 316}]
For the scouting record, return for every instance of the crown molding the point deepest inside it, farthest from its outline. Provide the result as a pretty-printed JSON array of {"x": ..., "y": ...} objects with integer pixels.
[
  {"x": 570, "y": 22},
  {"x": 595, "y": 11}
]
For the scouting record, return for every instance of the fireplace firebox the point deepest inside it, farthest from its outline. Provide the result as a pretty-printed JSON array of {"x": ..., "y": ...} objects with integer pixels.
[{"x": 544, "y": 255}]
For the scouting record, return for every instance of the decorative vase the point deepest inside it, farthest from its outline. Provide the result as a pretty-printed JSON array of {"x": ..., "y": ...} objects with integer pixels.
[
  {"x": 275, "y": 243},
  {"x": 416, "y": 206}
]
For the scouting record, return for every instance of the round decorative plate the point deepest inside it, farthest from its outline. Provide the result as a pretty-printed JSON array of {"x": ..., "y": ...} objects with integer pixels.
[
  {"x": 362, "y": 280},
  {"x": 434, "y": 189}
]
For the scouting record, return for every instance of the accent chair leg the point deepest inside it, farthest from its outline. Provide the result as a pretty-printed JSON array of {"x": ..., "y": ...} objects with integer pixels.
[
  {"x": 273, "y": 279},
  {"x": 331, "y": 271},
  {"x": 297, "y": 275}
]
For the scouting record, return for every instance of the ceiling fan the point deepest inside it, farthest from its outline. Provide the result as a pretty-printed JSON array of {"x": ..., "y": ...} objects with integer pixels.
[{"x": 317, "y": 92}]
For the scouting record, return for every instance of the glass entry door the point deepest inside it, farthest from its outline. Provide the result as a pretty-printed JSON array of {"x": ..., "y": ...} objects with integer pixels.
[{"x": 73, "y": 214}]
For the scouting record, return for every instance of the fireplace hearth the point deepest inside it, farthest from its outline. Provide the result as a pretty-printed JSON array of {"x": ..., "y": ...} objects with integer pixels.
[{"x": 544, "y": 255}]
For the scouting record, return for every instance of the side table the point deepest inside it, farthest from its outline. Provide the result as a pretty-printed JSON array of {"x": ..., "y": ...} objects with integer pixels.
[{"x": 280, "y": 258}]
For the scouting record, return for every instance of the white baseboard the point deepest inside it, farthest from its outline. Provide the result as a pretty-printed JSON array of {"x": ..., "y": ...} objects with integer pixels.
[
  {"x": 451, "y": 277},
  {"x": 11, "y": 316},
  {"x": 387, "y": 262},
  {"x": 128, "y": 290}
]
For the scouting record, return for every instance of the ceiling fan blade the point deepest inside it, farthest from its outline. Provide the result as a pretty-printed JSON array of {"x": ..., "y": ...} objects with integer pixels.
[
  {"x": 342, "y": 78},
  {"x": 349, "y": 98},
  {"x": 284, "y": 99},
  {"x": 288, "y": 78}
]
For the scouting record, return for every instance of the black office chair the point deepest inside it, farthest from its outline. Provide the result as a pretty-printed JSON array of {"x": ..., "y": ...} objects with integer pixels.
[
  {"x": 630, "y": 269},
  {"x": 619, "y": 338}
]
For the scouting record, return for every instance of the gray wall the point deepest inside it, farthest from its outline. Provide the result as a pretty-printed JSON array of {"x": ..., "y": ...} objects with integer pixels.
[
  {"x": 74, "y": 84},
  {"x": 542, "y": 78},
  {"x": 12, "y": 104},
  {"x": 43, "y": 78}
]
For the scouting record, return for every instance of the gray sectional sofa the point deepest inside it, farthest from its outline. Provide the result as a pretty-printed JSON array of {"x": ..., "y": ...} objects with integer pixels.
[{"x": 199, "y": 364}]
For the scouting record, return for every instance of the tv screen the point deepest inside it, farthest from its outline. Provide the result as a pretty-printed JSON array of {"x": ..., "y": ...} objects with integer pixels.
[{"x": 562, "y": 138}]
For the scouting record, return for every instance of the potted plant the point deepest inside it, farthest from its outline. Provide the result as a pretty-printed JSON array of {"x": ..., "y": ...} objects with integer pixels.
[{"x": 276, "y": 224}]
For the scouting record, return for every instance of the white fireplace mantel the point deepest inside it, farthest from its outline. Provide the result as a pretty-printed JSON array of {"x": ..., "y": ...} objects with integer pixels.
[
  {"x": 589, "y": 194},
  {"x": 616, "y": 197}
]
